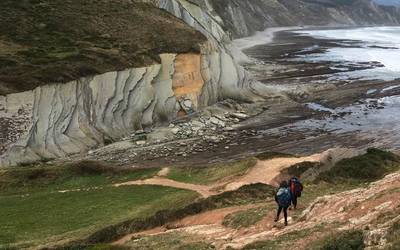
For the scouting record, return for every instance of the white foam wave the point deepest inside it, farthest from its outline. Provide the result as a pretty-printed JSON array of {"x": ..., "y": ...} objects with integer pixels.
[{"x": 379, "y": 44}]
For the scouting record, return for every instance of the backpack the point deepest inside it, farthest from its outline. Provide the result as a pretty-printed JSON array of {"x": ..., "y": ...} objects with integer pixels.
[
  {"x": 284, "y": 197},
  {"x": 295, "y": 187}
]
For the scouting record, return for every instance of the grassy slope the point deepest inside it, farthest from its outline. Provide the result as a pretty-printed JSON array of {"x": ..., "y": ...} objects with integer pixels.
[
  {"x": 372, "y": 166},
  {"x": 41, "y": 215},
  {"x": 348, "y": 240},
  {"x": 45, "y": 41},
  {"x": 77, "y": 214},
  {"x": 345, "y": 175},
  {"x": 210, "y": 174},
  {"x": 37, "y": 214},
  {"x": 87, "y": 174}
]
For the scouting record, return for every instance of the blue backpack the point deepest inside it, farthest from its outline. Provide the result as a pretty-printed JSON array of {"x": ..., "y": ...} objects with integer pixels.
[{"x": 284, "y": 197}]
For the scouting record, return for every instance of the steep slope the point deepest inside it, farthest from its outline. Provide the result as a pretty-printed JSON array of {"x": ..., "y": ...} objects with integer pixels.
[
  {"x": 59, "y": 41},
  {"x": 56, "y": 120},
  {"x": 97, "y": 71},
  {"x": 244, "y": 17}
]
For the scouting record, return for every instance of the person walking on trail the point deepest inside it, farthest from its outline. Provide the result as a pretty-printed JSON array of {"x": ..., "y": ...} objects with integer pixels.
[
  {"x": 295, "y": 188},
  {"x": 283, "y": 198}
]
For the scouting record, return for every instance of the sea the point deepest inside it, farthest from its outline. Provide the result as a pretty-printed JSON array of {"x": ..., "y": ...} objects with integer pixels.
[{"x": 369, "y": 44}]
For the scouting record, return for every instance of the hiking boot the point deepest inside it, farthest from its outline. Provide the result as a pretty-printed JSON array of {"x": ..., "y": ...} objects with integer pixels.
[{"x": 286, "y": 223}]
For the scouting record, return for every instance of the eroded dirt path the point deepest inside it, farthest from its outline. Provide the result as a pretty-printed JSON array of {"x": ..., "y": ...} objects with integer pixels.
[
  {"x": 206, "y": 222},
  {"x": 351, "y": 209},
  {"x": 354, "y": 209},
  {"x": 161, "y": 181},
  {"x": 265, "y": 171}
]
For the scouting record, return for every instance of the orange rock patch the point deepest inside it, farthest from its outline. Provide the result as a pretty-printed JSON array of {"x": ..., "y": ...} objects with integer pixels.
[{"x": 187, "y": 80}]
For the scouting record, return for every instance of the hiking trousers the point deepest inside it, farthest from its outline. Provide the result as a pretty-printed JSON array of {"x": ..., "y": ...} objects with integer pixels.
[
  {"x": 284, "y": 212},
  {"x": 294, "y": 200}
]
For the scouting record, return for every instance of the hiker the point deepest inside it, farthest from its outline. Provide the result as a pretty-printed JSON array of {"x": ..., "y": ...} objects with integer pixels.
[
  {"x": 295, "y": 188},
  {"x": 283, "y": 198}
]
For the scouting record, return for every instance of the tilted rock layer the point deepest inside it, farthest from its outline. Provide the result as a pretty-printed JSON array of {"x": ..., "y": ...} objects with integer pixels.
[
  {"x": 244, "y": 17},
  {"x": 64, "y": 119},
  {"x": 57, "y": 120}
]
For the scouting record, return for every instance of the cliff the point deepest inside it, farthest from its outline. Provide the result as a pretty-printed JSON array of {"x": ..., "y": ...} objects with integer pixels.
[
  {"x": 244, "y": 17},
  {"x": 77, "y": 75},
  {"x": 191, "y": 71}
]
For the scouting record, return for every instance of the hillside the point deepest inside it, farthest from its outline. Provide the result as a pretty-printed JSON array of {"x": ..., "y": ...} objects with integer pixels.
[
  {"x": 89, "y": 205},
  {"x": 45, "y": 41},
  {"x": 138, "y": 124},
  {"x": 244, "y": 17}
]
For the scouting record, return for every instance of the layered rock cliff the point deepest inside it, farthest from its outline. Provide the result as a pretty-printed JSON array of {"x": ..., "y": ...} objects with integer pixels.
[
  {"x": 56, "y": 120},
  {"x": 92, "y": 73},
  {"x": 244, "y": 17}
]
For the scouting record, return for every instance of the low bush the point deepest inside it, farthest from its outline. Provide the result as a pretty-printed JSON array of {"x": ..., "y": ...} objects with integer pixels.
[
  {"x": 271, "y": 155},
  {"x": 93, "y": 168},
  {"x": 373, "y": 165},
  {"x": 349, "y": 240},
  {"x": 393, "y": 237}
]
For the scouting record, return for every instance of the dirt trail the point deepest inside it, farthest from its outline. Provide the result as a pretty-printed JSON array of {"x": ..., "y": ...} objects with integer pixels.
[
  {"x": 161, "y": 181},
  {"x": 356, "y": 208},
  {"x": 212, "y": 219},
  {"x": 353, "y": 209},
  {"x": 265, "y": 171}
]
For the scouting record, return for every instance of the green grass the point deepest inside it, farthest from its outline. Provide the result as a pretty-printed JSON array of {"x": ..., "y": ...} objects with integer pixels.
[
  {"x": 47, "y": 41},
  {"x": 300, "y": 168},
  {"x": 250, "y": 194},
  {"x": 38, "y": 216},
  {"x": 210, "y": 174},
  {"x": 71, "y": 176},
  {"x": 246, "y": 218},
  {"x": 372, "y": 166},
  {"x": 33, "y": 210}
]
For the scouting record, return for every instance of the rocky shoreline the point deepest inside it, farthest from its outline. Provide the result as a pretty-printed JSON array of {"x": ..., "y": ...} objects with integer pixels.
[{"x": 230, "y": 130}]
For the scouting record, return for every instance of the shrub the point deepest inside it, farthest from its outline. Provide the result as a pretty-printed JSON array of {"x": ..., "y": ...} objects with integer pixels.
[
  {"x": 271, "y": 155},
  {"x": 373, "y": 165},
  {"x": 93, "y": 168},
  {"x": 349, "y": 240}
]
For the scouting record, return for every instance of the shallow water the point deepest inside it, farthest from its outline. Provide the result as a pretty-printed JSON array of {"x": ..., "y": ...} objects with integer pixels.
[
  {"x": 376, "y": 119},
  {"x": 378, "y": 44}
]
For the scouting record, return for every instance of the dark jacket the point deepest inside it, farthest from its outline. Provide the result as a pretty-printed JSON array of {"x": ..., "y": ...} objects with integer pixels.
[{"x": 296, "y": 191}]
